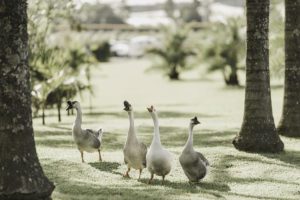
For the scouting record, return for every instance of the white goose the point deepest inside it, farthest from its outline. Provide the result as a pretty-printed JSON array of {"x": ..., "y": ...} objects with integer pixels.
[
  {"x": 193, "y": 163},
  {"x": 134, "y": 151},
  {"x": 159, "y": 160},
  {"x": 86, "y": 140}
]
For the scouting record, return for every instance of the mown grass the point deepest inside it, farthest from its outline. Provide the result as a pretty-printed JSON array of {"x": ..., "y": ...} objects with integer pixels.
[{"x": 232, "y": 175}]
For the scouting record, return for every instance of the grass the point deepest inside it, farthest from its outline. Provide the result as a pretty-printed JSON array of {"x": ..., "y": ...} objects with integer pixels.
[{"x": 232, "y": 175}]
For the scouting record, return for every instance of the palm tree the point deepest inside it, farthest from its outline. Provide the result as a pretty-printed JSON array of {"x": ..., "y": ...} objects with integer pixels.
[
  {"x": 174, "y": 52},
  {"x": 21, "y": 175},
  {"x": 258, "y": 132},
  {"x": 289, "y": 124},
  {"x": 225, "y": 54}
]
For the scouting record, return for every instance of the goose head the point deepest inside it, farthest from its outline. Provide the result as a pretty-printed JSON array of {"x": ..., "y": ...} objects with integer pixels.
[
  {"x": 72, "y": 104},
  {"x": 127, "y": 106},
  {"x": 151, "y": 109},
  {"x": 194, "y": 121}
]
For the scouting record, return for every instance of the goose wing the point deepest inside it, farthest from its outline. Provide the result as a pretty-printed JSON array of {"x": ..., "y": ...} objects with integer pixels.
[
  {"x": 144, "y": 152},
  {"x": 202, "y": 158},
  {"x": 95, "y": 133},
  {"x": 90, "y": 139}
]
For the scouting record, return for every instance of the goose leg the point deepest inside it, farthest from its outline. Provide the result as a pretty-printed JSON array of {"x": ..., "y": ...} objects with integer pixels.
[
  {"x": 163, "y": 180},
  {"x": 81, "y": 152},
  {"x": 100, "y": 158},
  {"x": 140, "y": 174},
  {"x": 127, "y": 173},
  {"x": 151, "y": 178}
]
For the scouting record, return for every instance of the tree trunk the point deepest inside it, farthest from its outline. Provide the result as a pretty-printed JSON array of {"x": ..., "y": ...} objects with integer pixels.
[
  {"x": 58, "y": 112},
  {"x": 43, "y": 115},
  {"x": 174, "y": 75},
  {"x": 232, "y": 79},
  {"x": 289, "y": 124},
  {"x": 258, "y": 132},
  {"x": 21, "y": 175}
]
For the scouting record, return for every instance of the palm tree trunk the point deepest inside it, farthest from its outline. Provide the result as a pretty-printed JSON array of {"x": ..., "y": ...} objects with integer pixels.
[
  {"x": 289, "y": 124},
  {"x": 258, "y": 132},
  {"x": 43, "y": 115},
  {"x": 21, "y": 175},
  {"x": 232, "y": 79},
  {"x": 58, "y": 112},
  {"x": 174, "y": 75}
]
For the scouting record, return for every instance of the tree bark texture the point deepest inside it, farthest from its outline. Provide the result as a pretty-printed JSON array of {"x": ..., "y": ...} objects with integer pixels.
[
  {"x": 289, "y": 124},
  {"x": 21, "y": 175},
  {"x": 258, "y": 132}
]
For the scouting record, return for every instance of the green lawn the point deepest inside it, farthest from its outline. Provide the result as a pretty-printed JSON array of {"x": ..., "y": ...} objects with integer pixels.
[{"x": 232, "y": 175}]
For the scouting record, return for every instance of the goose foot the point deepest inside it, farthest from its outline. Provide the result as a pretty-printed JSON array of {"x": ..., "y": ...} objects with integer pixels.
[
  {"x": 126, "y": 175},
  {"x": 100, "y": 158},
  {"x": 82, "y": 160},
  {"x": 140, "y": 174},
  {"x": 163, "y": 180}
]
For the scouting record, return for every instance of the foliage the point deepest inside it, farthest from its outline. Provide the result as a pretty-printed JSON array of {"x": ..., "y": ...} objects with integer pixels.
[
  {"x": 190, "y": 13},
  {"x": 170, "y": 8},
  {"x": 226, "y": 49},
  {"x": 52, "y": 67},
  {"x": 102, "y": 51},
  {"x": 276, "y": 39},
  {"x": 98, "y": 14},
  {"x": 175, "y": 51}
]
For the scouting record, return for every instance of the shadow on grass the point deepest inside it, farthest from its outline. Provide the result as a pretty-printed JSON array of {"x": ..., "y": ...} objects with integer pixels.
[
  {"x": 189, "y": 187},
  {"x": 61, "y": 126},
  {"x": 107, "y": 167},
  {"x": 222, "y": 175},
  {"x": 177, "y": 136},
  {"x": 290, "y": 157},
  {"x": 73, "y": 181},
  {"x": 62, "y": 143},
  {"x": 213, "y": 189},
  {"x": 55, "y": 139},
  {"x": 144, "y": 115},
  {"x": 170, "y": 136}
]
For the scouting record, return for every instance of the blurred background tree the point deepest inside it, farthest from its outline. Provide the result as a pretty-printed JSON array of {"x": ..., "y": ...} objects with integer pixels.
[
  {"x": 226, "y": 54},
  {"x": 55, "y": 70},
  {"x": 98, "y": 14},
  {"x": 174, "y": 52},
  {"x": 289, "y": 123},
  {"x": 190, "y": 13}
]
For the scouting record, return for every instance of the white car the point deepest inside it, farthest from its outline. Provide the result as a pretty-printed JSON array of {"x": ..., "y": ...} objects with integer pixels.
[{"x": 135, "y": 47}]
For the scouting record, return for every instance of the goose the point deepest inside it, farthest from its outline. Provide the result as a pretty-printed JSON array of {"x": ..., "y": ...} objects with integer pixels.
[
  {"x": 134, "y": 151},
  {"x": 86, "y": 139},
  {"x": 159, "y": 160},
  {"x": 193, "y": 163}
]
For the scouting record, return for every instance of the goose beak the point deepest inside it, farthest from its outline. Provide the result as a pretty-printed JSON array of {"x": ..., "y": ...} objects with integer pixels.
[
  {"x": 69, "y": 105},
  {"x": 195, "y": 121},
  {"x": 127, "y": 106},
  {"x": 151, "y": 109}
]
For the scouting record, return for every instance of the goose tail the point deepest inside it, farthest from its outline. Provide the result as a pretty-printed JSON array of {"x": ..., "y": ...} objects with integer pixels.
[{"x": 100, "y": 133}]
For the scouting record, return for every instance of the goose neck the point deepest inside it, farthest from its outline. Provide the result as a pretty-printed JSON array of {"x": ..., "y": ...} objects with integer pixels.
[
  {"x": 131, "y": 119},
  {"x": 189, "y": 143},
  {"x": 131, "y": 132},
  {"x": 78, "y": 120},
  {"x": 156, "y": 137}
]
